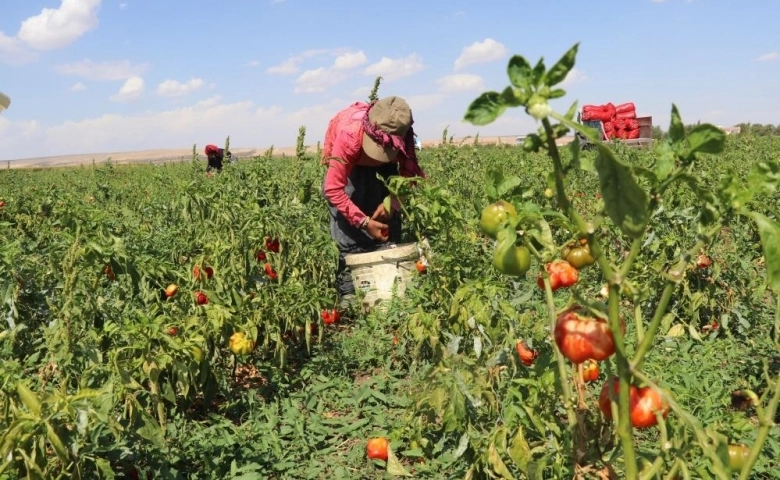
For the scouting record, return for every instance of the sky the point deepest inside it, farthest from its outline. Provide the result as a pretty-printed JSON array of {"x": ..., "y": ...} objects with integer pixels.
[{"x": 91, "y": 76}]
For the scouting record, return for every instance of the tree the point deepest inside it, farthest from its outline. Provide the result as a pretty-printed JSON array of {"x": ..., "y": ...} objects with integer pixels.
[{"x": 658, "y": 133}]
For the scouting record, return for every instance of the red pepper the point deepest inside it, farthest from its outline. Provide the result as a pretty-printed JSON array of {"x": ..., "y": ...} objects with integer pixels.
[
  {"x": 269, "y": 270},
  {"x": 272, "y": 245},
  {"x": 562, "y": 274}
]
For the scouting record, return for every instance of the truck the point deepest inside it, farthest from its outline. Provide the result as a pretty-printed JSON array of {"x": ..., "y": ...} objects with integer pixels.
[{"x": 644, "y": 140}]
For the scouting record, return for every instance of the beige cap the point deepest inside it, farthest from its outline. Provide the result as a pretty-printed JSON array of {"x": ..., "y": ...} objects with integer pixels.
[
  {"x": 4, "y": 101},
  {"x": 392, "y": 116}
]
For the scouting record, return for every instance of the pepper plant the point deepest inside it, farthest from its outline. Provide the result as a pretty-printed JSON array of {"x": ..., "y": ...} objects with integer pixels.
[{"x": 635, "y": 197}]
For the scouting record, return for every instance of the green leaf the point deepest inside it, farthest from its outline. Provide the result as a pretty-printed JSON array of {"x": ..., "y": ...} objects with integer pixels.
[
  {"x": 519, "y": 72},
  {"x": 769, "y": 231},
  {"x": 513, "y": 97},
  {"x": 540, "y": 231},
  {"x": 104, "y": 467},
  {"x": 571, "y": 111},
  {"x": 485, "y": 109},
  {"x": 558, "y": 72},
  {"x": 149, "y": 429},
  {"x": 588, "y": 132},
  {"x": 557, "y": 93},
  {"x": 732, "y": 193},
  {"x": 676, "y": 127},
  {"x": 56, "y": 442},
  {"x": 538, "y": 73},
  {"x": 765, "y": 177},
  {"x": 394, "y": 466},
  {"x": 588, "y": 164},
  {"x": 664, "y": 160},
  {"x": 533, "y": 143},
  {"x": 498, "y": 465},
  {"x": 520, "y": 451},
  {"x": 507, "y": 185},
  {"x": 624, "y": 200},
  {"x": 646, "y": 173},
  {"x": 706, "y": 138},
  {"x": 29, "y": 398}
]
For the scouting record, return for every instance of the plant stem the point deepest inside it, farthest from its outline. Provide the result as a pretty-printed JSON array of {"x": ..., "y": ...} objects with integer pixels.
[
  {"x": 653, "y": 470},
  {"x": 567, "y": 392},
  {"x": 636, "y": 247},
  {"x": 693, "y": 423},
  {"x": 674, "y": 277},
  {"x": 777, "y": 320},
  {"x": 624, "y": 424},
  {"x": 652, "y": 329},
  {"x": 155, "y": 391},
  {"x": 638, "y": 322},
  {"x": 766, "y": 419},
  {"x": 563, "y": 202},
  {"x": 624, "y": 428},
  {"x": 672, "y": 473}
]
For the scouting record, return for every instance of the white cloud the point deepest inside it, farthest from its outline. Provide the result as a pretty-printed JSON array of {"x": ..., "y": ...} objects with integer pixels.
[
  {"x": 274, "y": 2},
  {"x": 78, "y": 87},
  {"x": 58, "y": 27},
  {"x": 461, "y": 82},
  {"x": 132, "y": 89},
  {"x": 174, "y": 88},
  {"x": 349, "y": 61},
  {"x": 248, "y": 125},
  {"x": 287, "y": 67},
  {"x": 320, "y": 79},
  {"x": 13, "y": 51},
  {"x": 252, "y": 63},
  {"x": 574, "y": 77},
  {"x": 122, "y": 6},
  {"x": 111, "y": 70},
  {"x": 485, "y": 51},
  {"x": 293, "y": 64},
  {"x": 19, "y": 135},
  {"x": 420, "y": 103},
  {"x": 362, "y": 92},
  {"x": 658, "y": 1},
  {"x": 769, "y": 57},
  {"x": 394, "y": 68}
]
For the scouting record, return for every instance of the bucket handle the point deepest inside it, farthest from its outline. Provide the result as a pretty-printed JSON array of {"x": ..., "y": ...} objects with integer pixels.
[{"x": 397, "y": 263}]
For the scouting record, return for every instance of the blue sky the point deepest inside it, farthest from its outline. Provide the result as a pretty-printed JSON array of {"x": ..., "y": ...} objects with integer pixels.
[{"x": 90, "y": 76}]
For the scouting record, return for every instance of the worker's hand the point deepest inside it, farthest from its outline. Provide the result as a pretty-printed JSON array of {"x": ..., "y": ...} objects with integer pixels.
[
  {"x": 378, "y": 230},
  {"x": 380, "y": 214}
]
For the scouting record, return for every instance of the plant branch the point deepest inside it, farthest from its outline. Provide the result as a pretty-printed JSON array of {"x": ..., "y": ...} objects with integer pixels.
[
  {"x": 624, "y": 428},
  {"x": 692, "y": 422},
  {"x": 777, "y": 320},
  {"x": 563, "y": 202},
  {"x": 674, "y": 277},
  {"x": 766, "y": 422}
]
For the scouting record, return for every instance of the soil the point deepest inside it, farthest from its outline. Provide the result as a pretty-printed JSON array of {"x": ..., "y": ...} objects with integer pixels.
[{"x": 185, "y": 154}]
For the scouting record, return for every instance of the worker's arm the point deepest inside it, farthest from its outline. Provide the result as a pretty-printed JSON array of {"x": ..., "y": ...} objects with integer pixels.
[{"x": 340, "y": 165}]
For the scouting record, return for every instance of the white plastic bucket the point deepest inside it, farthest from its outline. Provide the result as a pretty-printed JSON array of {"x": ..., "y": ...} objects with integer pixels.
[{"x": 376, "y": 274}]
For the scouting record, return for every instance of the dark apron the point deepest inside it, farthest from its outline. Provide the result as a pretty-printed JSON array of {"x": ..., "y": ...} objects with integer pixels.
[{"x": 366, "y": 191}]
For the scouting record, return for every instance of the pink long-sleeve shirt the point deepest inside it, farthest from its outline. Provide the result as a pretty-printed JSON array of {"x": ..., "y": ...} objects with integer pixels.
[{"x": 342, "y": 150}]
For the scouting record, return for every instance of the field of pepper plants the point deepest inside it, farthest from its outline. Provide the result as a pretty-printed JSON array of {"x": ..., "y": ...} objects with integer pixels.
[{"x": 600, "y": 314}]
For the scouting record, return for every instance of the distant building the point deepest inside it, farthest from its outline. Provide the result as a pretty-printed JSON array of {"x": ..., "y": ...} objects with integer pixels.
[{"x": 729, "y": 130}]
